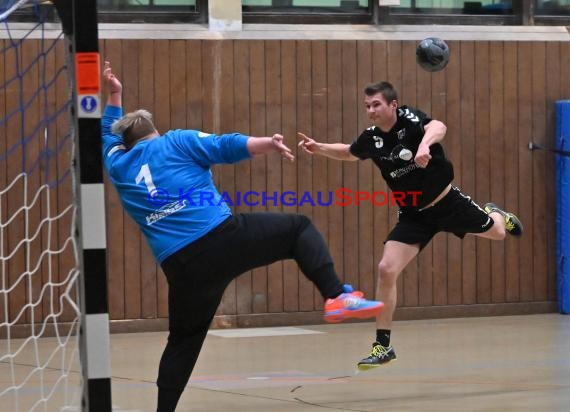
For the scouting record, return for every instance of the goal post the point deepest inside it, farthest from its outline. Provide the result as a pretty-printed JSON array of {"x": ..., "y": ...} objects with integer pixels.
[
  {"x": 54, "y": 321},
  {"x": 79, "y": 21}
]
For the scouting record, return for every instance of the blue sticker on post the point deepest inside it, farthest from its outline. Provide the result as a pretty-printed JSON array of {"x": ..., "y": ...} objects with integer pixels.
[{"x": 89, "y": 104}]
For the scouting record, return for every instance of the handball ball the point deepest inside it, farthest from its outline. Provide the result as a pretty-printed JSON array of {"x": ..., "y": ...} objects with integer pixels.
[{"x": 432, "y": 54}]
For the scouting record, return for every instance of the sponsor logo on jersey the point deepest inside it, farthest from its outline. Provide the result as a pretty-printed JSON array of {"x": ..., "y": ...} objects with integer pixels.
[
  {"x": 164, "y": 211},
  {"x": 403, "y": 171}
]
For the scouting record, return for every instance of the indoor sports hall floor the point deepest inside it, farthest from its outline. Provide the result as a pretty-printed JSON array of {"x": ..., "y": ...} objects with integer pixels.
[{"x": 509, "y": 363}]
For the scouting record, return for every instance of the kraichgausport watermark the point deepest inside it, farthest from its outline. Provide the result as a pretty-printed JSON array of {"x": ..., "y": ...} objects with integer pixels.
[{"x": 339, "y": 197}]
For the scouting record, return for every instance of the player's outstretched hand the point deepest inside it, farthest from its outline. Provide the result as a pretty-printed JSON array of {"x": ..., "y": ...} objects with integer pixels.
[
  {"x": 113, "y": 83},
  {"x": 307, "y": 144},
  {"x": 285, "y": 152}
]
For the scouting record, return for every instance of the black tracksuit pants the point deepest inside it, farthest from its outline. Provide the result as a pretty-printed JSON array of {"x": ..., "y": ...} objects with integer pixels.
[{"x": 199, "y": 274}]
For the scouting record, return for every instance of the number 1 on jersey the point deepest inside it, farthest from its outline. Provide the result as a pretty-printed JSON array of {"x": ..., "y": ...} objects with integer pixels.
[{"x": 144, "y": 175}]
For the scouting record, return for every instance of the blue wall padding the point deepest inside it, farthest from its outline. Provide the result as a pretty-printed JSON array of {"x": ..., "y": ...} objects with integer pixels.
[{"x": 563, "y": 204}]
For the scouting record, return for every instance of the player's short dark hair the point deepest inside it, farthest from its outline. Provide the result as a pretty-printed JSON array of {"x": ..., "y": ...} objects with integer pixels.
[{"x": 384, "y": 88}]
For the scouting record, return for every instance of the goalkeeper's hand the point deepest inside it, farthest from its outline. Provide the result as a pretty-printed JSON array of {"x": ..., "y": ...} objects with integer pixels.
[{"x": 113, "y": 83}]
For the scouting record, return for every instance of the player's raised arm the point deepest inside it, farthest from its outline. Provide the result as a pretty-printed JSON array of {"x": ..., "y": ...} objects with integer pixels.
[
  {"x": 113, "y": 112},
  {"x": 114, "y": 86}
]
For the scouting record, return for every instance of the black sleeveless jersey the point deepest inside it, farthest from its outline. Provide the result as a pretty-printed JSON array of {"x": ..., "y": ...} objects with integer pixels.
[{"x": 394, "y": 152}]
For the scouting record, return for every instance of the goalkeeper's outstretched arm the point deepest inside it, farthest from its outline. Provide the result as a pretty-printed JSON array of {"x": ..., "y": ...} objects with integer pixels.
[
  {"x": 113, "y": 112},
  {"x": 114, "y": 86}
]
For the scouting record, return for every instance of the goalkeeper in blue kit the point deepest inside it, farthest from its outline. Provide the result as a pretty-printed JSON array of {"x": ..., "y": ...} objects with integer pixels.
[{"x": 203, "y": 247}]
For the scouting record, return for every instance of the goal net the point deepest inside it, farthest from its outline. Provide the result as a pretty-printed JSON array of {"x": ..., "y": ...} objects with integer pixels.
[{"x": 39, "y": 258}]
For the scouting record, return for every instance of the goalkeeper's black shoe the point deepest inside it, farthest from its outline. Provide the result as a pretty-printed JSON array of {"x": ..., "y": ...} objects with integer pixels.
[
  {"x": 513, "y": 225},
  {"x": 380, "y": 355}
]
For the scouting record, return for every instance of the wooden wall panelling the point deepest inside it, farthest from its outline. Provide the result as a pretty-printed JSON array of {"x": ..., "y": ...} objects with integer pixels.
[
  {"x": 31, "y": 139},
  {"x": 365, "y": 171},
  {"x": 525, "y": 103},
  {"x": 131, "y": 232},
  {"x": 564, "y": 78},
  {"x": 467, "y": 164},
  {"x": 350, "y": 113},
  {"x": 334, "y": 134},
  {"x": 194, "y": 67},
  {"x": 304, "y": 63},
  {"x": 497, "y": 160},
  {"x": 289, "y": 128},
  {"x": 3, "y": 167},
  {"x": 423, "y": 101},
  {"x": 4, "y": 180},
  {"x": 319, "y": 93},
  {"x": 112, "y": 52},
  {"x": 540, "y": 180},
  {"x": 510, "y": 130},
  {"x": 14, "y": 231},
  {"x": 439, "y": 244},
  {"x": 380, "y": 63},
  {"x": 49, "y": 175},
  {"x": 275, "y": 165},
  {"x": 491, "y": 108},
  {"x": 258, "y": 106},
  {"x": 64, "y": 160},
  {"x": 149, "y": 274},
  {"x": 408, "y": 96},
  {"x": 225, "y": 175},
  {"x": 244, "y": 170},
  {"x": 211, "y": 71},
  {"x": 394, "y": 74},
  {"x": 553, "y": 89},
  {"x": 564, "y": 61},
  {"x": 453, "y": 146},
  {"x": 162, "y": 121},
  {"x": 330, "y": 134},
  {"x": 483, "y": 145}
]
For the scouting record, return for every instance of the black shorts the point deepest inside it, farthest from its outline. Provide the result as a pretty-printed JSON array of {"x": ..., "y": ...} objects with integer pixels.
[{"x": 456, "y": 213}]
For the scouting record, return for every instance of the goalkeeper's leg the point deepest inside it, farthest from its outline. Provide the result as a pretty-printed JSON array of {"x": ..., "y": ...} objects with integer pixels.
[
  {"x": 264, "y": 238},
  {"x": 194, "y": 293}
]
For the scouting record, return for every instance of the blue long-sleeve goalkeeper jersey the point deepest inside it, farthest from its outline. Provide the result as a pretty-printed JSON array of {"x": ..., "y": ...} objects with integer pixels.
[{"x": 165, "y": 183}]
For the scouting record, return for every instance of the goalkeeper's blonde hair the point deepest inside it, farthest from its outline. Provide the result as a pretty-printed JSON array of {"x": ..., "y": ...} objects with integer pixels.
[{"x": 134, "y": 126}]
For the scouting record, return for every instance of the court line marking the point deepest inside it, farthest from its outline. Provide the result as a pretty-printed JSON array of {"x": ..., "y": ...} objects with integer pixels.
[{"x": 260, "y": 332}]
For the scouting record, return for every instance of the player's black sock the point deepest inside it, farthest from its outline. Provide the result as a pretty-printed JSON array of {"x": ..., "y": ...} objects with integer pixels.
[{"x": 383, "y": 337}]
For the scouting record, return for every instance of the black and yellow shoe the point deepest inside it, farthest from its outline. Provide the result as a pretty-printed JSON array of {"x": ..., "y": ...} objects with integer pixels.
[
  {"x": 380, "y": 355},
  {"x": 513, "y": 225}
]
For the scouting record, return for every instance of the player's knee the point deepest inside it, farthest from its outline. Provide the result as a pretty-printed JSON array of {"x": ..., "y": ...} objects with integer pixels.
[
  {"x": 387, "y": 273},
  {"x": 300, "y": 223},
  {"x": 303, "y": 221}
]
